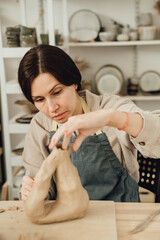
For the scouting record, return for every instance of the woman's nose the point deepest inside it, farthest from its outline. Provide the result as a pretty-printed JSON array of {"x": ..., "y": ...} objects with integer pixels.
[{"x": 52, "y": 105}]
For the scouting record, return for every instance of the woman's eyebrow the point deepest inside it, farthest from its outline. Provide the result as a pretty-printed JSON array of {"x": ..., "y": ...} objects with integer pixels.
[
  {"x": 54, "y": 87},
  {"x": 34, "y": 97}
]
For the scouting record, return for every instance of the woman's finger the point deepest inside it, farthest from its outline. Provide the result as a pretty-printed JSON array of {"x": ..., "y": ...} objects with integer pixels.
[
  {"x": 77, "y": 143},
  {"x": 26, "y": 186},
  {"x": 56, "y": 137},
  {"x": 66, "y": 140},
  {"x": 24, "y": 192},
  {"x": 27, "y": 179}
]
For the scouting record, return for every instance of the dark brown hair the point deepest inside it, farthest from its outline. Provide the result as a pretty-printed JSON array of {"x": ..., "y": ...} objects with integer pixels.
[{"x": 47, "y": 59}]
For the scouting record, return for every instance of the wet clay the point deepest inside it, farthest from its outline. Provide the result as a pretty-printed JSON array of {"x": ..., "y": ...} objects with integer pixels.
[
  {"x": 72, "y": 199},
  {"x": 2, "y": 210}
]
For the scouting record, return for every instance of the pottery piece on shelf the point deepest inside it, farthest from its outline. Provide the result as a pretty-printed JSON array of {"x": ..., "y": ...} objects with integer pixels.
[
  {"x": 150, "y": 81},
  {"x": 44, "y": 38},
  {"x": 84, "y": 25},
  {"x": 106, "y": 36},
  {"x": 147, "y": 33},
  {"x": 122, "y": 37},
  {"x": 12, "y": 36},
  {"x": 109, "y": 79}
]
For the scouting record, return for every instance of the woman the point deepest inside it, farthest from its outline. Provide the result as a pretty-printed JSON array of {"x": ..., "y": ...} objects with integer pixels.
[{"x": 104, "y": 132}]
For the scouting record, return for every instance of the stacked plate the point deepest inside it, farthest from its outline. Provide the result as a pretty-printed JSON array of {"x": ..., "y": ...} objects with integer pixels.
[
  {"x": 84, "y": 26},
  {"x": 150, "y": 81},
  {"x": 109, "y": 79}
]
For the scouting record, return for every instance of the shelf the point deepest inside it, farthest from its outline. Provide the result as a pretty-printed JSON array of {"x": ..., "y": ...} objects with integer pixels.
[
  {"x": 12, "y": 87},
  {"x": 17, "y": 128},
  {"x": 15, "y": 193},
  {"x": 16, "y": 160},
  {"x": 17, "y": 52},
  {"x": 143, "y": 98},
  {"x": 114, "y": 43}
]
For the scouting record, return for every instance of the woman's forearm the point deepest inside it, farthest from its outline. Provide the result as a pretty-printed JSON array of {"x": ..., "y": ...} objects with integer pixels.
[{"x": 118, "y": 119}]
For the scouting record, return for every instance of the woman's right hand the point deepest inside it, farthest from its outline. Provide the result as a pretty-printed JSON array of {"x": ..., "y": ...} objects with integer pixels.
[{"x": 26, "y": 186}]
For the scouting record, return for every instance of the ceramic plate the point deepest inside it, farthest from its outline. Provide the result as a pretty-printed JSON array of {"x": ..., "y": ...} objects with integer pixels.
[
  {"x": 150, "y": 81},
  {"x": 86, "y": 21},
  {"x": 83, "y": 35},
  {"x": 108, "y": 83},
  {"x": 109, "y": 69},
  {"x": 116, "y": 74}
]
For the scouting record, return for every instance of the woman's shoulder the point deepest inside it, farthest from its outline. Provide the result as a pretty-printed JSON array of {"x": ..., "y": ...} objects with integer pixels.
[
  {"x": 96, "y": 102},
  {"x": 41, "y": 121}
]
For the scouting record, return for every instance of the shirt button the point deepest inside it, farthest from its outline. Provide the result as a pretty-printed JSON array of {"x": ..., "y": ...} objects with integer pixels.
[{"x": 142, "y": 143}]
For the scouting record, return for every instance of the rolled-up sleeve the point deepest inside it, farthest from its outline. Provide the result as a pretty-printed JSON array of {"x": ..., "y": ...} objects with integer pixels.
[{"x": 148, "y": 140}]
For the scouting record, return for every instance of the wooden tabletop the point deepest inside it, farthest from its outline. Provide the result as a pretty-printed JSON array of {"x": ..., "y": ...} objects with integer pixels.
[
  {"x": 103, "y": 221},
  {"x": 129, "y": 215}
]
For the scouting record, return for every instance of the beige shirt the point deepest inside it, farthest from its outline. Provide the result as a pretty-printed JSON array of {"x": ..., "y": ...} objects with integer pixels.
[{"x": 124, "y": 146}]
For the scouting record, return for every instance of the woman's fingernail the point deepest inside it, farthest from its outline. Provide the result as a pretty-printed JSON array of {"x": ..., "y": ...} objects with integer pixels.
[
  {"x": 32, "y": 182},
  {"x": 66, "y": 131},
  {"x": 50, "y": 146}
]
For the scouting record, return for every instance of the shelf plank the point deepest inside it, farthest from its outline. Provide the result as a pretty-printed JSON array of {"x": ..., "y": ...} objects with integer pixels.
[
  {"x": 15, "y": 192},
  {"x": 12, "y": 87},
  {"x": 17, "y": 52},
  {"x": 16, "y": 128},
  {"x": 16, "y": 160},
  {"x": 144, "y": 98},
  {"x": 114, "y": 43}
]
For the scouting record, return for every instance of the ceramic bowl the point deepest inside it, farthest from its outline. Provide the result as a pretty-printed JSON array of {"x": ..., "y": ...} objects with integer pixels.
[{"x": 106, "y": 36}]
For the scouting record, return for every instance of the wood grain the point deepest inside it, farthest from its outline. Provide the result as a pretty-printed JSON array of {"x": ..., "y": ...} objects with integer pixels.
[
  {"x": 129, "y": 215},
  {"x": 98, "y": 224}
]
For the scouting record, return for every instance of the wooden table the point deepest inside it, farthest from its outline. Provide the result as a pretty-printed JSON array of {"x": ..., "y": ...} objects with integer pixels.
[
  {"x": 129, "y": 215},
  {"x": 104, "y": 220}
]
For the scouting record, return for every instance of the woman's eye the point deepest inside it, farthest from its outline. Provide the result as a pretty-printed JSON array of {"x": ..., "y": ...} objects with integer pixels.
[
  {"x": 56, "y": 93},
  {"x": 38, "y": 100}
]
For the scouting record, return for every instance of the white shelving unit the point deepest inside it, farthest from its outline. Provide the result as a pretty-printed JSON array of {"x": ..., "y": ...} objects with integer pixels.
[
  {"x": 11, "y": 87},
  {"x": 114, "y": 44}
]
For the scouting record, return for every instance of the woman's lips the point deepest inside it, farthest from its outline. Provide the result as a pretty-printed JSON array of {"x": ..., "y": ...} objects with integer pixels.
[{"x": 59, "y": 116}]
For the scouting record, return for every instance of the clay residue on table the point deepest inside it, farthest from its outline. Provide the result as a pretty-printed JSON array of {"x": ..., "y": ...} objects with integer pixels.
[
  {"x": 11, "y": 208},
  {"x": 2, "y": 210},
  {"x": 31, "y": 236}
]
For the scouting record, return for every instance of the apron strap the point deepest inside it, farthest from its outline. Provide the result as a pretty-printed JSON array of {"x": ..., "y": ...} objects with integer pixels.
[{"x": 85, "y": 110}]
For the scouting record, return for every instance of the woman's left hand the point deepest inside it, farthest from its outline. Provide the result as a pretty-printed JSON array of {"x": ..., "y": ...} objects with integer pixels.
[{"x": 86, "y": 124}]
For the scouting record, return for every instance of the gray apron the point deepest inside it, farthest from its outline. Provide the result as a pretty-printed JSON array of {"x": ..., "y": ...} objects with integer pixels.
[{"x": 100, "y": 171}]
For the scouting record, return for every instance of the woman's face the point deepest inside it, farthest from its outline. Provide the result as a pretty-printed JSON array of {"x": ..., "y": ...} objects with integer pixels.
[{"x": 55, "y": 100}]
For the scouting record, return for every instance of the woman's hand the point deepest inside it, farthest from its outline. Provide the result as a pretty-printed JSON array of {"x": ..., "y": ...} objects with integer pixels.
[
  {"x": 90, "y": 123},
  {"x": 86, "y": 124},
  {"x": 27, "y": 183}
]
